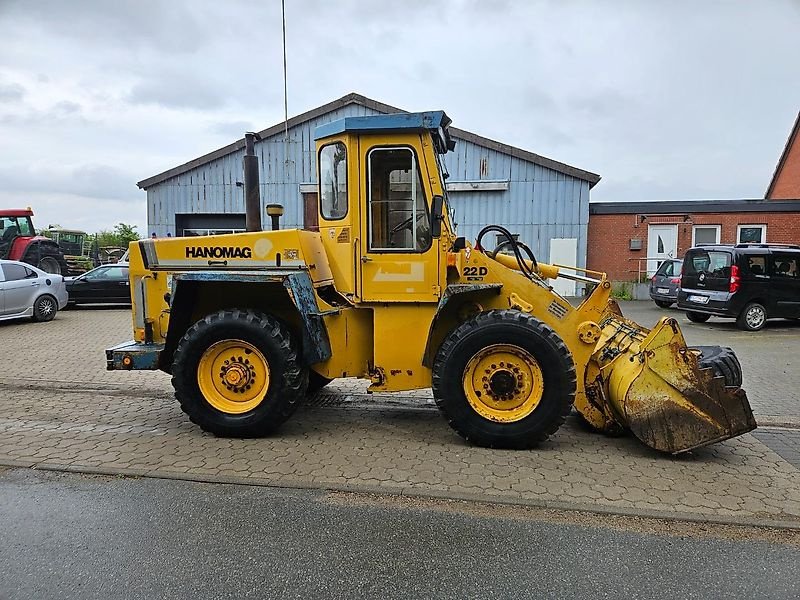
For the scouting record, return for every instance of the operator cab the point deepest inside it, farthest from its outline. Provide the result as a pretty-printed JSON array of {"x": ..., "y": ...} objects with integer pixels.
[{"x": 381, "y": 203}]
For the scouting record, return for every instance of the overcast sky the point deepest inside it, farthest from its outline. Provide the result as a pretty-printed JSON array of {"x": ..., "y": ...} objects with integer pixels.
[{"x": 665, "y": 100}]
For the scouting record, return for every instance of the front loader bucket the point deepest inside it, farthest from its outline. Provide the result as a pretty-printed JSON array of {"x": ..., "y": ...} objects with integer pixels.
[{"x": 661, "y": 394}]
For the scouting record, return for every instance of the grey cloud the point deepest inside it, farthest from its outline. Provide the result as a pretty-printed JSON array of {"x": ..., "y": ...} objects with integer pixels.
[
  {"x": 63, "y": 112},
  {"x": 178, "y": 90},
  {"x": 231, "y": 129},
  {"x": 11, "y": 92},
  {"x": 91, "y": 180},
  {"x": 170, "y": 26}
]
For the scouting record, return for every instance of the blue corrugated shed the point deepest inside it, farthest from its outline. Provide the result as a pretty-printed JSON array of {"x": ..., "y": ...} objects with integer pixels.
[{"x": 539, "y": 198}]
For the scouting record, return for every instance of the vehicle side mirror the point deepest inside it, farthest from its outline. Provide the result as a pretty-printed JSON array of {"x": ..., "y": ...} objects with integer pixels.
[{"x": 437, "y": 215}]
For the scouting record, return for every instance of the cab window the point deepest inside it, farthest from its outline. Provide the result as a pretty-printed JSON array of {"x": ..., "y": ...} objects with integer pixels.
[
  {"x": 398, "y": 213},
  {"x": 333, "y": 181}
]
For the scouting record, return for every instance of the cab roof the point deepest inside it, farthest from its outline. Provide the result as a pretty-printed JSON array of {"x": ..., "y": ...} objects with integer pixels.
[
  {"x": 435, "y": 121},
  {"x": 16, "y": 212},
  {"x": 421, "y": 121}
]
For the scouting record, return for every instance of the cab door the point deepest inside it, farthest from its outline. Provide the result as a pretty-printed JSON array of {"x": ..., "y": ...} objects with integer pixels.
[{"x": 399, "y": 259}]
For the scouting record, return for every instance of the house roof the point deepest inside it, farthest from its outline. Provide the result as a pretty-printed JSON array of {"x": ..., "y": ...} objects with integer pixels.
[
  {"x": 360, "y": 100},
  {"x": 790, "y": 141},
  {"x": 671, "y": 207}
]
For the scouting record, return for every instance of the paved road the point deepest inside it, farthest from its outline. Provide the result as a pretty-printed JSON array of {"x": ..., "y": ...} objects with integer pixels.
[
  {"x": 60, "y": 409},
  {"x": 72, "y": 536}
]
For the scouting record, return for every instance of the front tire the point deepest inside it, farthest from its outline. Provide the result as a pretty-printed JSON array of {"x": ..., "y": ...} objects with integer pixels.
[
  {"x": 237, "y": 373},
  {"x": 696, "y": 317},
  {"x": 504, "y": 379},
  {"x": 45, "y": 308},
  {"x": 753, "y": 317}
]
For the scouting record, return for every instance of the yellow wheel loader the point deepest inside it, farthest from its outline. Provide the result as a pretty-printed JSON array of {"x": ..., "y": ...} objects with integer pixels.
[{"x": 249, "y": 323}]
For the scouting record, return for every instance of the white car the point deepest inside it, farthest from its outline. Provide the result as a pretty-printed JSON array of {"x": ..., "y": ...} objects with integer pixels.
[{"x": 26, "y": 291}]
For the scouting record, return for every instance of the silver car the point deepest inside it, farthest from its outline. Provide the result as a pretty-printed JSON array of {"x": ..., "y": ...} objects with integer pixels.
[{"x": 26, "y": 291}]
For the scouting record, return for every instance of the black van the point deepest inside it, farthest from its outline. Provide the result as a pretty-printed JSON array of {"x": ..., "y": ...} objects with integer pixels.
[{"x": 748, "y": 282}]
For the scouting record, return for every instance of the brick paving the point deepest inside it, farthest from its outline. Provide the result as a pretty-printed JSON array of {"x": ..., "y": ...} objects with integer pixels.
[{"x": 59, "y": 408}]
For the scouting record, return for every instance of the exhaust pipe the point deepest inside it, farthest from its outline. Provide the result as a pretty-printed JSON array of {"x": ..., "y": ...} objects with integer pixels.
[{"x": 252, "y": 196}]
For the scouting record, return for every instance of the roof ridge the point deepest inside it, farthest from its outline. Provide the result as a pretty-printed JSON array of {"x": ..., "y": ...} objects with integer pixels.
[
  {"x": 784, "y": 155},
  {"x": 356, "y": 98}
]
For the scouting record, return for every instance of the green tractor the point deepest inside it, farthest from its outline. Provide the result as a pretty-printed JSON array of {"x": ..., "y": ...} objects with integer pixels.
[{"x": 77, "y": 249}]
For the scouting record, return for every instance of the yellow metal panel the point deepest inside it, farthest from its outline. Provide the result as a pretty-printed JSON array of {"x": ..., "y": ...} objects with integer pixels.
[
  {"x": 351, "y": 336},
  {"x": 401, "y": 334}
]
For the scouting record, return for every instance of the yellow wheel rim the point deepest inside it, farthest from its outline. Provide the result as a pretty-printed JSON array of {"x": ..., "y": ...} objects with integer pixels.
[
  {"x": 503, "y": 383},
  {"x": 233, "y": 376}
]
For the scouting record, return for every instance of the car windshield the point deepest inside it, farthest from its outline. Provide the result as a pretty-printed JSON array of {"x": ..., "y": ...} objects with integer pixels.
[{"x": 711, "y": 262}]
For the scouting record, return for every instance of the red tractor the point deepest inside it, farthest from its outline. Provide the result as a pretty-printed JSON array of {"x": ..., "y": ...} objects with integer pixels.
[{"x": 18, "y": 241}]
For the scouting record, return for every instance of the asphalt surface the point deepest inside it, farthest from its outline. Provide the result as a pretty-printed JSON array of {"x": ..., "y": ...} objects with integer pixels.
[{"x": 74, "y": 536}]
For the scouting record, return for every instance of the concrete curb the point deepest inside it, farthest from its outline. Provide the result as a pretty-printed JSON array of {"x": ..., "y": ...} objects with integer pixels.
[{"x": 291, "y": 483}]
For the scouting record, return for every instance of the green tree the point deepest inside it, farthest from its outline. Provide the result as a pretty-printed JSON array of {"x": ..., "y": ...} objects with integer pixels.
[
  {"x": 126, "y": 233},
  {"x": 120, "y": 236}
]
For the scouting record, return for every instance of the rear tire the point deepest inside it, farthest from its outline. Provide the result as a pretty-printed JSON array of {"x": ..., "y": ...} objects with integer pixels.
[
  {"x": 548, "y": 373},
  {"x": 263, "y": 339},
  {"x": 696, "y": 317},
  {"x": 753, "y": 317},
  {"x": 663, "y": 303},
  {"x": 45, "y": 308},
  {"x": 723, "y": 361},
  {"x": 49, "y": 264}
]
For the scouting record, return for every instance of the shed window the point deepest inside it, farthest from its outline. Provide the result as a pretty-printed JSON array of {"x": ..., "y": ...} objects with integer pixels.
[
  {"x": 333, "y": 181},
  {"x": 398, "y": 212}
]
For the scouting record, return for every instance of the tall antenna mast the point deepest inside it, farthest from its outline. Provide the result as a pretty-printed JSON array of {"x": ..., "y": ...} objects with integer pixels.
[{"x": 285, "y": 87}]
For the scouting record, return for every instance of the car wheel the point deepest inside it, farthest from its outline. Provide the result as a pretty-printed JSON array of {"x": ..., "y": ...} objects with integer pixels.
[
  {"x": 696, "y": 317},
  {"x": 45, "y": 308},
  {"x": 663, "y": 303},
  {"x": 753, "y": 317}
]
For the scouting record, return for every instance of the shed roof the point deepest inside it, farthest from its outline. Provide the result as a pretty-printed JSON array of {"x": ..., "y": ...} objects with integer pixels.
[
  {"x": 790, "y": 141},
  {"x": 656, "y": 207},
  {"x": 360, "y": 100}
]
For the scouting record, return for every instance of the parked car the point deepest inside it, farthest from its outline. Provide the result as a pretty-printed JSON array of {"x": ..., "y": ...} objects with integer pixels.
[
  {"x": 26, "y": 291},
  {"x": 747, "y": 282},
  {"x": 107, "y": 284},
  {"x": 665, "y": 283}
]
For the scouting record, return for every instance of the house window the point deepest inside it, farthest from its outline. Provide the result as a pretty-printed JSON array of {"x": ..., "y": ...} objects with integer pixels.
[
  {"x": 751, "y": 234},
  {"x": 705, "y": 234}
]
